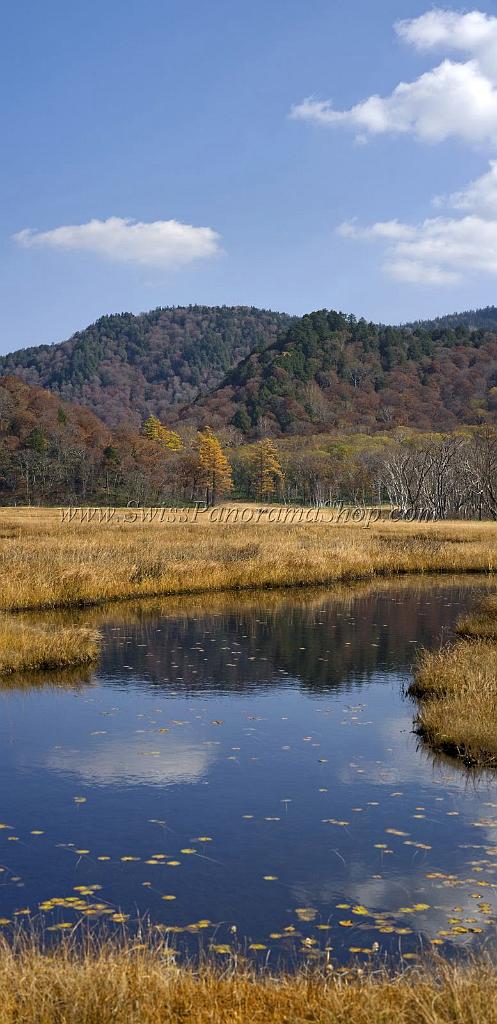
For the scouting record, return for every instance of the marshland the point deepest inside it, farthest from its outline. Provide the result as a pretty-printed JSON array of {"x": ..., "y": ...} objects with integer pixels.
[
  {"x": 217, "y": 785},
  {"x": 48, "y": 561},
  {"x": 457, "y": 687},
  {"x": 248, "y": 542}
]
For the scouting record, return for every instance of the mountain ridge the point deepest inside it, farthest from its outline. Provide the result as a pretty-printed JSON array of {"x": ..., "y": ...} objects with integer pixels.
[
  {"x": 333, "y": 372},
  {"x": 260, "y": 371},
  {"x": 126, "y": 366}
]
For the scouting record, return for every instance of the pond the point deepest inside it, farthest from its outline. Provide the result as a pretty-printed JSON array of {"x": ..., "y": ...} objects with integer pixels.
[{"x": 242, "y": 771}]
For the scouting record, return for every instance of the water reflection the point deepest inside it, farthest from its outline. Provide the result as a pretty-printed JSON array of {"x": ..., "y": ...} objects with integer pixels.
[
  {"x": 124, "y": 763},
  {"x": 250, "y": 765},
  {"x": 321, "y": 643}
]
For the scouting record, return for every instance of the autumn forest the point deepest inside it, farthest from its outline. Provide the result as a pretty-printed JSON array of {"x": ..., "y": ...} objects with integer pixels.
[{"x": 198, "y": 404}]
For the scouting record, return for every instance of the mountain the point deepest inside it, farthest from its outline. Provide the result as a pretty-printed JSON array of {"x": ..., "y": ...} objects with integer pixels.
[
  {"x": 269, "y": 373},
  {"x": 125, "y": 367},
  {"x": 334, "y": 372},
  {"x": 474, "y": 319}
]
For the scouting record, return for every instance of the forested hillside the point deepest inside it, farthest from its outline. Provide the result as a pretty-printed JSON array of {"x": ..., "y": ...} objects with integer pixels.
[
  {"x": 263, "y": 373},
  {"x": 333, "y": 372},
  {"x": 54, "y": 452},
  {"x": 47, "y": 446},
  {"x": 474, "y": 319},
  {"x": 124, "y": 367}
]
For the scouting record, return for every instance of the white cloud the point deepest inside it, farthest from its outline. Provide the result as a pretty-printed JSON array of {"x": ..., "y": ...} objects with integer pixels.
[
  {"x": 441, "y": 250},
  {"x": 388, "y": 229},
  {"x": 129, "y": 761},
  {"x": 479, "y": 196},
  {"x": 473, "y": 33},
  {"x": 166, "y": 244},
  {"x": 457, "y": 100},
  {"x": 453, "y": 100}
]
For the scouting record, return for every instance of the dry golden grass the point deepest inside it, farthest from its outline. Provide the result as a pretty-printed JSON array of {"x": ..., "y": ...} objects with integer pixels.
[
  {"x": 482, "y": 623},
  {"x": 457, "y": 687},
  {"x": 126, "y": 984},
  {"x": 28, "y": 648},
  {"x": 45, "y": 563}
]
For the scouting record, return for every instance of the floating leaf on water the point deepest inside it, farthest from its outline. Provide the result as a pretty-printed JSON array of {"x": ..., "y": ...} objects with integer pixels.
[{"x": 306, "y": 913}]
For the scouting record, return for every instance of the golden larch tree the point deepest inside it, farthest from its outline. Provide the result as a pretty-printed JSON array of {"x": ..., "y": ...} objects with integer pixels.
[
  {"x": 264, "y": 467},
  {"x": 214, "y": 466},
  {"x": 156, "y": 431}
]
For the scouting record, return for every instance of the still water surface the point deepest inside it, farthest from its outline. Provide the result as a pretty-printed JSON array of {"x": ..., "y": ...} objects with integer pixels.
[{"x": 243, "y": 771}]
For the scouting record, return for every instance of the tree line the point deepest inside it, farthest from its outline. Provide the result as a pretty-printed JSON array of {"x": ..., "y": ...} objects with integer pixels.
[{"x": 54, "y": 452}]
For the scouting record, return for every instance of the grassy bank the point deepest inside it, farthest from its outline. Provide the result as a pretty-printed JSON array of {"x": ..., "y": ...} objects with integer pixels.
[
  {"x": 129, "y": 985},
  {"x": 45, "y": 563},
  {"x": 457, "y": 688},
  {"x": 30, "y": 648},
  {"x": 49, "y": 564},
  {"x": 482, "y": 623}
]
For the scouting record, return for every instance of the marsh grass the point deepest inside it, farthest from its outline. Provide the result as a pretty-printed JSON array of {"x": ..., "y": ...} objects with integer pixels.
[
  {"x": 46, "y": 564},
  {"x": 457, "y": 688},
  {"x": 30, "y": 648},
  {"x": 129, "y": 982},
  {"x": 481, "y": 623}
]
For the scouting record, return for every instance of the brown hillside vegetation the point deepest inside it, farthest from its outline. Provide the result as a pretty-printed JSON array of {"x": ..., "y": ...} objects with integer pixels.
[
  {"x": 332, "y": 372},
  {"x": 124, "y": 367},
  {"x": 267, "y": 373},
  {"x": 52, "y": 451}
]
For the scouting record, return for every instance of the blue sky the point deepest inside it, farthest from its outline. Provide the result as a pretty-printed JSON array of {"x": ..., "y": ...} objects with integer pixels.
[{"x": 179, "y": 111}]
